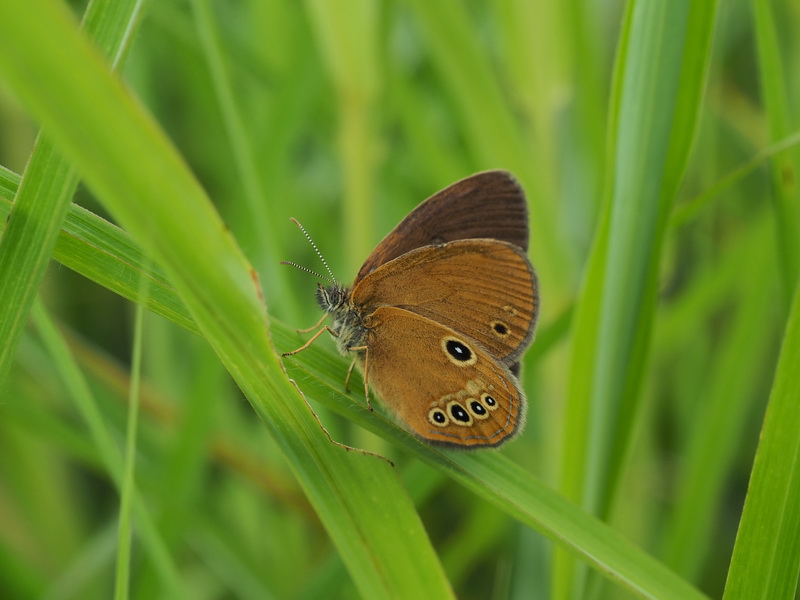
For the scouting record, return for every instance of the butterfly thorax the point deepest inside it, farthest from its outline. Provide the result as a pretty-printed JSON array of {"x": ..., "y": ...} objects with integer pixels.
[{"x": 347, "y": 322}]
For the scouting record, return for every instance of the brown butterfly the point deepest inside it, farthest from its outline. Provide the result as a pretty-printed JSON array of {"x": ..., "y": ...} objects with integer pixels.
[{"x": 441, "y": 312}]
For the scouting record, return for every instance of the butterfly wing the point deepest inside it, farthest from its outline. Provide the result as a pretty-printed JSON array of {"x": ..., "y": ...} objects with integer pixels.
[
  {"x": 484, "y": 289},
  {"x": 445, "y": 387},
  {"x": 486, "y": 205}
]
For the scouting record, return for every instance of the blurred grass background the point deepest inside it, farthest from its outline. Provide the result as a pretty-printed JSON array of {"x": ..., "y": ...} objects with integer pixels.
[{"x": 346, "y": 115}]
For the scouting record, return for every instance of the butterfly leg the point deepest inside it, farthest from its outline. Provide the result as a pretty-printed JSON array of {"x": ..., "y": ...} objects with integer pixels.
[
  {"x": 347, "y": 378},
  {"x": 311, "y": 341},
  {"x": 328, "y": 435},
  {"x": 366, "y": 371},
  {"x": 313, "y": 327}
]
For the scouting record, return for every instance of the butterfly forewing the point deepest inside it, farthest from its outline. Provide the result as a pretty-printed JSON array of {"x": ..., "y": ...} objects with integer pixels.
[
  {"x": 484, "y": 289},
  {"x": 486, "y": 205},
  {"x": 448, "y": 390}
]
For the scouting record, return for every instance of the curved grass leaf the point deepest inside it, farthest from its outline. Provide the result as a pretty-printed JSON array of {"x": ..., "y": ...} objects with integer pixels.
[
  {"x": 766, "y": 557},
  {"x": 132, "y": 168},
  {"x": 320, "y": 374},
  {"x": 660, "y": 73}
]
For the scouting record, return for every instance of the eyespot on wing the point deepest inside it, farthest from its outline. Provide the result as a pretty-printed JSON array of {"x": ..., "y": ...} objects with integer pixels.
[{"x": 476, "y": 405}]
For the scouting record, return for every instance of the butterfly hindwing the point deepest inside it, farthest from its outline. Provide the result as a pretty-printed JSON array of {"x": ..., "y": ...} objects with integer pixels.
[{"x": 443, "y": 385}]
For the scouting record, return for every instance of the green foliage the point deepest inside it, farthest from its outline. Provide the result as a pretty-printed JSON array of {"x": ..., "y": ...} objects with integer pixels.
[{"x": 665, "y": 232}]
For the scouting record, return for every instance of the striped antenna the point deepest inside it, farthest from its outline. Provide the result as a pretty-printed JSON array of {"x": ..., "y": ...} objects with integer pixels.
[
  {"x": 332, "y": 279},
  {"x": 307, "y": 270}
]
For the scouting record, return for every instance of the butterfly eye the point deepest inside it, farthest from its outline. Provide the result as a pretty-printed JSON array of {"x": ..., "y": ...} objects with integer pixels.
[
  {"x": 437, "y": 417},
  {"x": 500, "y": 329},
  {"x": 459, "y": 414},
  {"x": 458, "y": 352},
  {"x": 477, "y": 409},
  {"x": 488, "y": 401}
]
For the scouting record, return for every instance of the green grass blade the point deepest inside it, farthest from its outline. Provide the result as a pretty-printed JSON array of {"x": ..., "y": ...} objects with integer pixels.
[
  {"x": 259, "y": 211},
  {"x": 785, "y": 166},
  {"x": 720, "y": 419},
  {"x": 27, "y": 243},
  {"x": 510, "y": 488},
  {"x": 45, "y": 194},
  {"x": 689, "y": 210},
  {"x": 282, "y": 85},
  {"x": 347, "y": 35},
  {"x": 659, "y": 80},
  {"x": 614, "y": 316},
  {"x": 107, "y": 255},
  {"x": 9, "y": 184},
  {"x": 136, "y": 173},
  {"x": 104, "y": 445},
  {"x": 766, "y": 557},
  {"x": 123, "y": 565},
  {"x": 500, "y": 481},
  {"x": 532, "y": 503}
]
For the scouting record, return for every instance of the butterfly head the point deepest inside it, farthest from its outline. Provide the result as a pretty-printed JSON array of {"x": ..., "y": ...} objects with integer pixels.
[{"x": 332, "y": 298}]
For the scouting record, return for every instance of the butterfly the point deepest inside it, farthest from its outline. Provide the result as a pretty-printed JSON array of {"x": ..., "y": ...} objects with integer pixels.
[{"x": 442, "y": 310}]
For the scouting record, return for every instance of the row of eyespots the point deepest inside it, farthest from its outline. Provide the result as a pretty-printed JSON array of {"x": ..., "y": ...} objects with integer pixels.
[{"x": 454, "y": 411}]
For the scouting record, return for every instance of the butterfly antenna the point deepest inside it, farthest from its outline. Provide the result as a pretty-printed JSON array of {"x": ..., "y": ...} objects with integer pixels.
[
  {"x": 332, "y": 279},
  {"x": 307, "y": 270}
]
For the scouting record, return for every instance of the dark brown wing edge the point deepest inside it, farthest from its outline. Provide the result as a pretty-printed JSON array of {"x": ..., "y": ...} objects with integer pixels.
[{"x": 490, "y": 204}]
